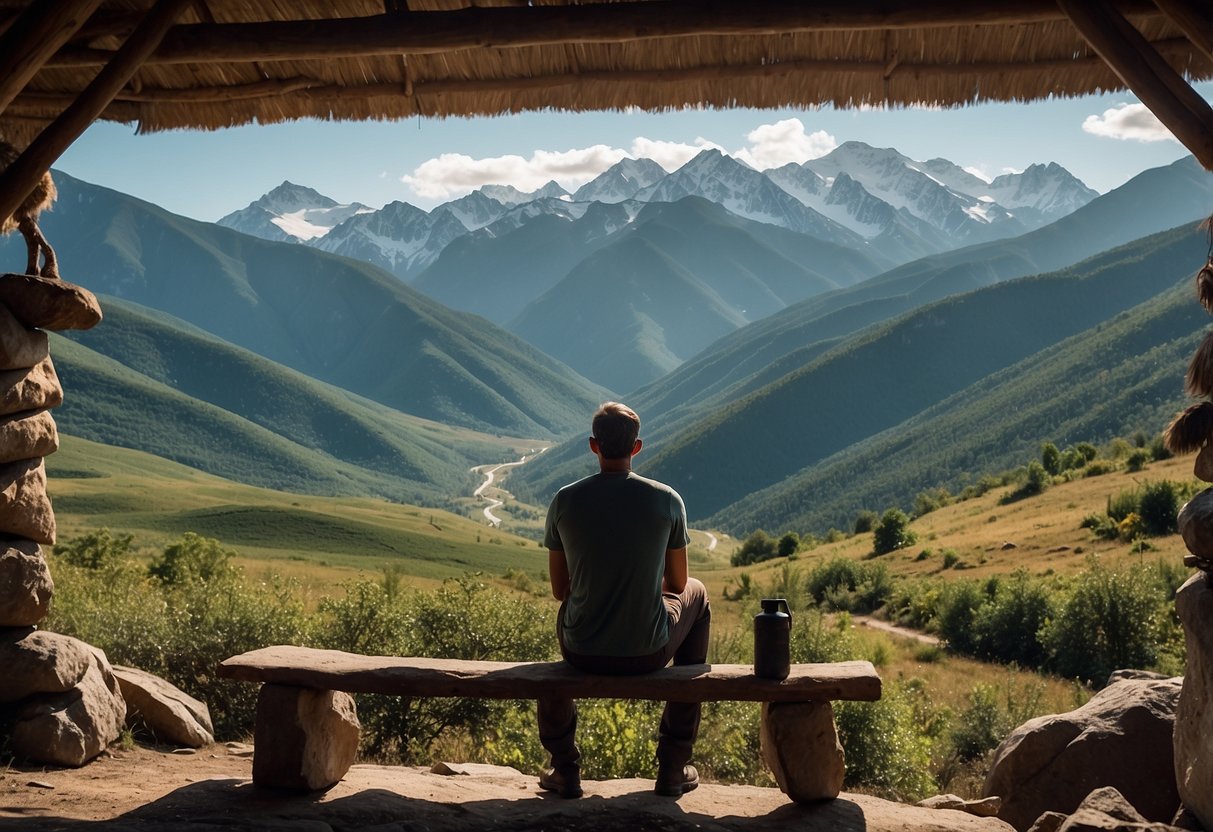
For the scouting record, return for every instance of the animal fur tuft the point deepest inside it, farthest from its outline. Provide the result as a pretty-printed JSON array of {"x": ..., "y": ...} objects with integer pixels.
[
  {"x": 1190, "y": 430},
  {"x": 1199, "y": 380},
  {"x": 1204, "y": 287}
]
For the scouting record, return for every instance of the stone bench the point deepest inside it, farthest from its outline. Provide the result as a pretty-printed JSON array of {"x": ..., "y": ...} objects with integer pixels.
[{"x": 306, "y": 732}]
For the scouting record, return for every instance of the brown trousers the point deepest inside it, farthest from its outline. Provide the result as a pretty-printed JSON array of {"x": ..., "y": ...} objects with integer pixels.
[{"x": 690, "y": 622}]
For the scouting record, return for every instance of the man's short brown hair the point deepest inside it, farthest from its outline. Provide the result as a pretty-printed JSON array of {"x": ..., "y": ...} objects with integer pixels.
[{"x": 616, "y": 427}]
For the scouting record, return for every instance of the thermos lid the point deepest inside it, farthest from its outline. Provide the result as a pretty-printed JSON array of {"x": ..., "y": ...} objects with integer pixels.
[{"x": 770, "y": 606}]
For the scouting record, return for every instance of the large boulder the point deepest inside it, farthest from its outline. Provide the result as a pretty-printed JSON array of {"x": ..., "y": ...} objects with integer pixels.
[
  {"x": 25, "y": 508},
  {"x": 1194, "y": 714},
  {"x": 304, "y": 740},
  {"x": 171, "y": 714},
  {"x": 26, "y": 587},
  {"x": 1106, "y": 810},
  {"x": 1121, "y": 738},
  {"x": 30, "y": 388},
  {"x": 73, "y": 727},
  {"x": 35, "y": 661}
]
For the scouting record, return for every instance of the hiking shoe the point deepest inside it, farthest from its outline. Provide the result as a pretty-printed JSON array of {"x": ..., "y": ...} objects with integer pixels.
[
  {"x": 566, "y": 783},
  {"x": 671, "y": 783}
]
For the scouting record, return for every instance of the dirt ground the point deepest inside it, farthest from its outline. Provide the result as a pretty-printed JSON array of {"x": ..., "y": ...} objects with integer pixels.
[{"x": 149, "y": 790}]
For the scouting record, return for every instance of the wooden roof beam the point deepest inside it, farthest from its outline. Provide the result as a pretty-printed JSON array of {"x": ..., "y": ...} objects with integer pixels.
[
  {"x": 33, "y": 37},
  {"x": 1195, "y": 21},
  {"x": 504, "y": 27},
  {"x": 1146, "y": 73},
  {"x": 20, "y": 178}
]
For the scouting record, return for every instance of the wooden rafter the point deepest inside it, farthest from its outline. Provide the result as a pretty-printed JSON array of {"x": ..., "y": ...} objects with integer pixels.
[
  {"x": 33, "y": 37},
  {"x": 19, "y": 179},
  {"x": 1146, "y": 73},
  {"x": 502, "y": 27},
  {"x": 1194, "y": 20}
]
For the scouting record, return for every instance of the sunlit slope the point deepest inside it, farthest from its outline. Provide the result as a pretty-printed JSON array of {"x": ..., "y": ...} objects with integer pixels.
[
  {"x": 145, "y": 380},
  {"x": 94, "y": 485}
]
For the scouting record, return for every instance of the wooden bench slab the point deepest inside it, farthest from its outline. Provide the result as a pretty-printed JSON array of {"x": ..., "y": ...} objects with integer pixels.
[{"x": 334, "y": 670}]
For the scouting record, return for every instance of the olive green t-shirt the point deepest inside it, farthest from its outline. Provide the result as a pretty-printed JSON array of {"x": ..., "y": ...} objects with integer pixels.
[{"x": 614, "y": 530}]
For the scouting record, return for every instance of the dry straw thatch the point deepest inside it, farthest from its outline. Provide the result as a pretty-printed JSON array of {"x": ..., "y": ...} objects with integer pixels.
[{"x": 230, "y": 63}]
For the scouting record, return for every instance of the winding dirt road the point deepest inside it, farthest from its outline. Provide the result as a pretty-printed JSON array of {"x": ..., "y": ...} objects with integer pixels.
[{"x": 490, "y": 474}]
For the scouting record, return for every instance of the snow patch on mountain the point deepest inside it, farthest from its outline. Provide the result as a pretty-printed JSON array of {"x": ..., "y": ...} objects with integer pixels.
[
  {"x": 291, "y": 213},
  {"x": 620, "y": 181}
]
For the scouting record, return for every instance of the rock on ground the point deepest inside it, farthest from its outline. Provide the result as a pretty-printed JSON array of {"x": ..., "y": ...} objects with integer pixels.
[
  {"x": 73, "y": 727},
  {"x": 1121, "y": 738},
  {"x": 1106, "y": 810},
  {"x": 171, "y": 714},
  {"x": 142, "y": 791},
  {"x": 36, "y": 661},
  {"x": 305, "y": 739}
]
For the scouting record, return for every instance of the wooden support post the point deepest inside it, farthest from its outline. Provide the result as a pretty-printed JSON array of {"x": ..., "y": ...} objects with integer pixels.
[
  {"x": 33, "y": 37},
  {"x": 1196, "y": 22},
  {"x": 19, "y": 179},
  {"x": 1144, "y": 71}
]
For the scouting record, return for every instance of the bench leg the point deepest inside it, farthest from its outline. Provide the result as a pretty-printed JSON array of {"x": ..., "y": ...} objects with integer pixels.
[
  {"x": 304, "y": 739},
  {"x": 800, "y": 745}
]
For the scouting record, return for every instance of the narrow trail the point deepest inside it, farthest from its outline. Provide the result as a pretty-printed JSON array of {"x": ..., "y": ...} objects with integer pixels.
[
  {"x": 893, "y": 629},
  {"x": 490, "y": 475}
]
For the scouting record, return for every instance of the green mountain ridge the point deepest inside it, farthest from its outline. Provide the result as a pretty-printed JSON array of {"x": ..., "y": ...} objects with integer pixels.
[
  {"x": 335, "y": 319},
  {"x": 147, "y": 381}
]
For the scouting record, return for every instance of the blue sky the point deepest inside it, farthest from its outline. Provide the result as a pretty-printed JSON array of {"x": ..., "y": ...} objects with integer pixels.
[{"x": 1104, "y": 140}]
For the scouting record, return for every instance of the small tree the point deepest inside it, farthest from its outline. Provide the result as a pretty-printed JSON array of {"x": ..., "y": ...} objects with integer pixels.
[
  {"x": 893, "y": 532},
  {"x": 865, "y": 521},
  {"x": 758, "y": 547},
  {"x": 1050, "y": 458},
  {"x": 788, "y": 544}
]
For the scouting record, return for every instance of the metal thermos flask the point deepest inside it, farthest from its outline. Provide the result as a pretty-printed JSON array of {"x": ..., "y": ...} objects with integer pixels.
[{"x": 772, "y": 630}]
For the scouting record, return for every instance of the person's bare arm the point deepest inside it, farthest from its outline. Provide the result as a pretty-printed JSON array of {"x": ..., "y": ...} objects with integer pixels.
[
  {"x": 558, "y": 571},
  {"x": 676, "y": 570}
]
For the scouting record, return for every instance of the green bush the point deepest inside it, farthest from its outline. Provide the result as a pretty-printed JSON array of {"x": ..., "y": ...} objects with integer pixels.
[
  {"x": 956, "y": 614},
  {"x": 1137, "y": 460},
  {"x": 893, "y": 532},
  {"x": 1158, "y": 506},
  {"x": 845, "y": 584},
  {"x": 757, "y": 547},
  {"x": 98, "y": 549},
  {"x": 1050, "y": 458},
  {"x": 865, "y": 521},
  {"x": 1008, "y": 625},
  {"x": 788, "y": 544},
  {"x": 1109, "y": 619},
  {"x": 889, "y": 742}
]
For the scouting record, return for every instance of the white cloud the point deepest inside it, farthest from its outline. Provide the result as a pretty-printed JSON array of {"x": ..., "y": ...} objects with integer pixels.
[
  {"x": 454, "y": 174},
  {"x": 774, "y": 145},
  {"x": 1128, "y": 121},
  {"x": 670, "y": 155}
]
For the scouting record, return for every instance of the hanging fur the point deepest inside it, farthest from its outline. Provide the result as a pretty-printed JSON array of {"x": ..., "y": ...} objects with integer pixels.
[
  {"x": 1190, "y": 430},
  {"x": 1204, "y": 277},
  {"x": 1199, "y": 380}
]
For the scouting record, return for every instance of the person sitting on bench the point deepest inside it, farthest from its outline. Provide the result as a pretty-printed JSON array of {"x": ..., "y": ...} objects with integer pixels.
[{"x": 617, "y": 557}]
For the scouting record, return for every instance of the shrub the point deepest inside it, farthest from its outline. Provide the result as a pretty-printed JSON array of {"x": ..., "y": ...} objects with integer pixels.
[
  {"x": 1050, "y": 458},
  {"x": 956, "y": 612},
  {"x": 1008, "y": 626},
  {"x": 98, "y": 549},
  {"x": 1088, "y": 451},
  {"x": 1158, "y": 506},
  {"x": 930, "y": 500},
  {"x": 889, "y": 742},
  {"x": 788, "y": 544},
  {"x": 757, "y": 547},
  {"x": 1109, "y": 619},
  {"x": 950, "y": 558},
  {"x": 893, "y": 532},
  {"x": 865, "y": 521},
  {"x": 1137, "y": 460},
  {"x": 845, "y": 584}
]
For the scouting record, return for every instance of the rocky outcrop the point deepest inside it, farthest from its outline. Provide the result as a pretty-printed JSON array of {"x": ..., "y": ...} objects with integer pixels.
[
  {"x": 305, "y": 740},
  {"x": 1121, "y": 738},
  {"x": 1106, "y": 810},
  {"x": 171, "y": 715},
  {"x": 1194, "y": 713}
]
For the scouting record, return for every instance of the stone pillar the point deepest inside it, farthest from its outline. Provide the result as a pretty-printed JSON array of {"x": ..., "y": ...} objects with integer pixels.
[
  {"x": 1194, "y": 714},
  {"x": 304, "y": 740},
  {"x": 58, "y": 696},
  {"x": 800, "y": 745}
]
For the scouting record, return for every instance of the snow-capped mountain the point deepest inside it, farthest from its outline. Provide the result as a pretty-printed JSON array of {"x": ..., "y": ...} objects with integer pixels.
[
  {"x": 1048, "y": 189},
  {"x": 399, "y": 237},
  {"x": 475, "y": 210},
  {"x": 620, "y": 181},
  {"x": 291, "y": 213},
  {"x": 509, "y": 195},
  {"x": 746, "y": 192}
]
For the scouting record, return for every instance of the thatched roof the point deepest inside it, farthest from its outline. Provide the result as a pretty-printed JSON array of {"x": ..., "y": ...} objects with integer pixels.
[{"x": 230, "y": 62}]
